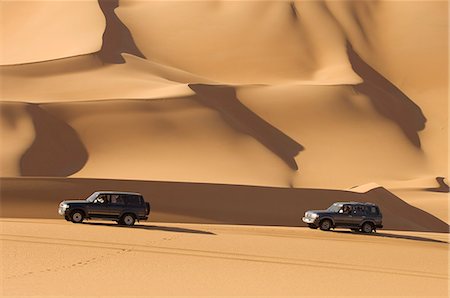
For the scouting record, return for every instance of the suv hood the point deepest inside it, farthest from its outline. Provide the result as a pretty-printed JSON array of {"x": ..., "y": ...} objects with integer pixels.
[
  {"x": 319, "y": 212},
  {"x": 76, "y": 202}
]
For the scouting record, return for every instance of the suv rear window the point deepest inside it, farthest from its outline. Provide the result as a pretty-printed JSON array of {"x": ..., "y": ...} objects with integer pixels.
[{"x": 133, "y": 200}]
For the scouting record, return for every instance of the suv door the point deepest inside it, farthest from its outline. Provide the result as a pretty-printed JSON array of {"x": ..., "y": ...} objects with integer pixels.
[
  {"x": 344, "y": 216},
  {"x": 116, "y": 205},
  {"x": 358, "y": 215},
  {"x": 97, "y": 207}
]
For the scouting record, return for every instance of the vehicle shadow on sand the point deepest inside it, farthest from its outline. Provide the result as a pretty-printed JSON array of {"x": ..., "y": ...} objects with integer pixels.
[
  {"x": 396, "y": 236},
  {"x": 152, "y": 228}
]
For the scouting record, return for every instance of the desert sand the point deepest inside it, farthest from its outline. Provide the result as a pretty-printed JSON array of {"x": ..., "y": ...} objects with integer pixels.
[
  {"x": 212, "y": 260},
  {"x": 225, "y": 112}
]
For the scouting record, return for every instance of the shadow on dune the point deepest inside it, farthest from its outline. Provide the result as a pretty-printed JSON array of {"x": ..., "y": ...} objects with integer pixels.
[
  {"x": 443, "y": 187},
  {"x": 117, "y": 37},
  {"x": 152, "y": 228},
  {"x": 57, "y": 149},
  {"x": 396, "y": 236},
  {"x": 224, "y": 100},
  {"x": 294, "y": 11},
  {"x": 209, "y": 203},
  {"x": 387, "y": 99}
]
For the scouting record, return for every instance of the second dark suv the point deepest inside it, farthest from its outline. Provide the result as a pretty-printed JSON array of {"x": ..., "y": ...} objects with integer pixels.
[
  {"x": 365, "y": 217},
  {"x": 123, "y": 207}
]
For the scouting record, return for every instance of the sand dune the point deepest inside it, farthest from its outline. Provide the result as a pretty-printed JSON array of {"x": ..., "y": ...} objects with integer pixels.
[
  {"x": 363, "y": 107},
  {"x": 347, "y": 142},
  {"x": 33, "y": 31},
  {"x": 224, "y": 100},
  {"x": 214, "y": 260},
  {"x": 315, "y": 99},
  {"x": 165, "y": 140},
  {"x": 87, "y": 78}
]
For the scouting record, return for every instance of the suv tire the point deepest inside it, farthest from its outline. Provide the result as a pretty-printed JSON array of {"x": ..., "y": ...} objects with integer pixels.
[
  {"x": 367, "y": 227},
  {"x": 127, "y": 220},
  {"x": 77, "y": 216},
  {"x": 325, "y": 225}
]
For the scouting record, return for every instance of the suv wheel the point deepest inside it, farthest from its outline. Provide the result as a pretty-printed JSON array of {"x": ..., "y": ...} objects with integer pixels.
[
  {"x": 367, "y": 227},
  {"x": 76, "y": 216},
  {"x": 325, "y": 225},
  {"x": 127, "y": 219}
]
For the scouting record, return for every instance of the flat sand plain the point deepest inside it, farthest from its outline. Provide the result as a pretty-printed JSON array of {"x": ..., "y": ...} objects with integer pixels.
[{"x": 55, "y": 257}]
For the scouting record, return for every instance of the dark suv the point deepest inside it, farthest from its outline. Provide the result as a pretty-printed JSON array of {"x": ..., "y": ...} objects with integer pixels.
[
  {"x": 123, "y": 207},
  {"x": 365, "y": 217}
]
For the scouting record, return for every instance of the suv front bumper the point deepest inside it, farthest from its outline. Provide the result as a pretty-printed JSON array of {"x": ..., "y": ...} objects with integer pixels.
[
  {"x": 309, "y": 220},
  {"x": 62, "y": 211}
]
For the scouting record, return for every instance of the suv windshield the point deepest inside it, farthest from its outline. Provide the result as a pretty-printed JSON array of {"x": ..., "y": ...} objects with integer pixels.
[
  {"x": 92, "y": 197},
  {"x": 335, "y": 207}
]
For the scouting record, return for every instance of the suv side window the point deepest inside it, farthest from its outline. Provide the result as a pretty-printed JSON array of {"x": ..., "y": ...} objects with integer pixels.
[
  {"x": 117, "y": 200},
  {"x": 347, "y": 209},
  {"x": 371, "y": 210},
  {"x": 102, "y": 199},
  {"x": 133, "y": 200},
  {"x": 358, "y": 210}
]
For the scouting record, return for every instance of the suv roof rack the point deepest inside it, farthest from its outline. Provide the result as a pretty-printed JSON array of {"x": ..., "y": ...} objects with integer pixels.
[{"x": 117, "y": 192}]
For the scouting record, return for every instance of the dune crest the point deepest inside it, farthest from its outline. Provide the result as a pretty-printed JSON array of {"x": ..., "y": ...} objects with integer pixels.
[{"x": 365, "y": 187}]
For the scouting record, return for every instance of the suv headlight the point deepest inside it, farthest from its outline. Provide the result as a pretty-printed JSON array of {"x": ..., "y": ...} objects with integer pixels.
[
  {"x": 314, "y": 215},
  {"x": 64, "y": 206}
]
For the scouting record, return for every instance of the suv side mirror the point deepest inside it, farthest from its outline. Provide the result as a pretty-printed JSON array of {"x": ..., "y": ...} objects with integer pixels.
[{"x": 341, "y": 211}]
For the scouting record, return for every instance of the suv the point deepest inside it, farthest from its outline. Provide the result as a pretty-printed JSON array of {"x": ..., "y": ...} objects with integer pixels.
[
  {"x": 123, "y": 207},
  {"x": 365, "y": 217}
]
